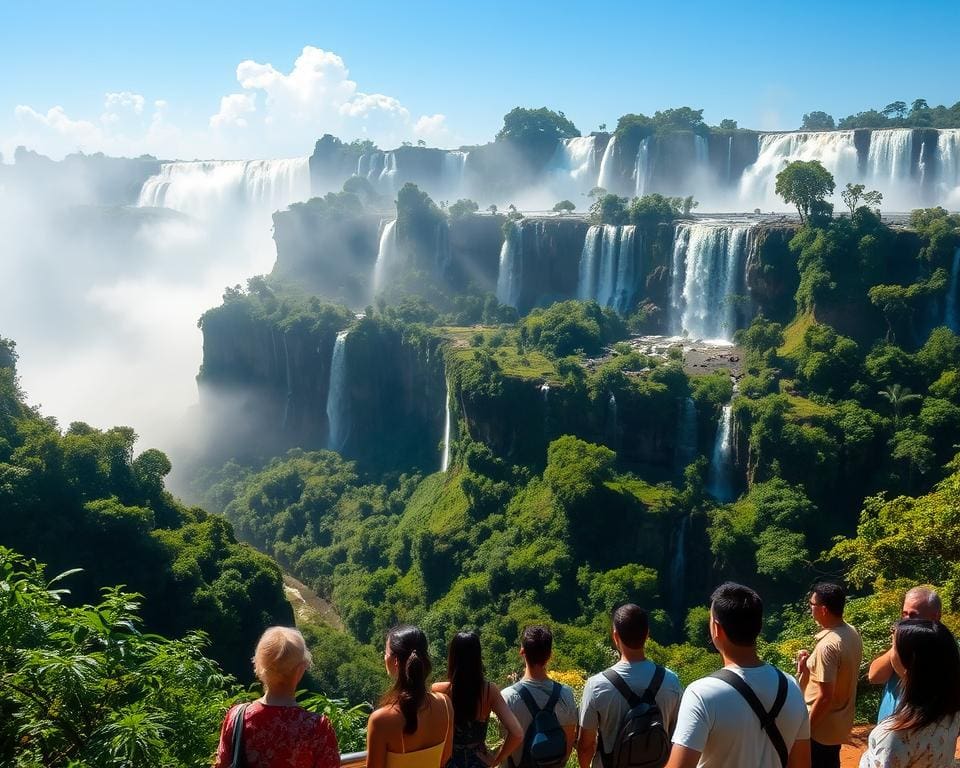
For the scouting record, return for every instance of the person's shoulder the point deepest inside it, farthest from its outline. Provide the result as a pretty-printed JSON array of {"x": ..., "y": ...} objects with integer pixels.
[
  {"x": 386, "y": 715},
  {"x": 441, "y": 687},
  {"x": 671, "y": 680},
  {"x": 510, "y": 693}
]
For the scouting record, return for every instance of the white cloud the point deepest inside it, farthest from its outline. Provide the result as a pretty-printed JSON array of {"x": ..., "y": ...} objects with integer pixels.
[
  {"x": 80, "y": 133},
  {"x": 232, "y": 111},
  {"x": 124, "y": 100},
  {"x": 275, "y": 113}
]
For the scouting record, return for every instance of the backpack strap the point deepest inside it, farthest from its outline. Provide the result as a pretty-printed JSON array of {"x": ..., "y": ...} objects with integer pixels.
[
  {"x": 621, "y": 685},
  {"x": 529, "y": 700},
  {"x": 554, "y": 697},
  {"x": 237, "y": 740},
  {"x": 650, "y": 695},
  {"x": 767, "y": 719}
]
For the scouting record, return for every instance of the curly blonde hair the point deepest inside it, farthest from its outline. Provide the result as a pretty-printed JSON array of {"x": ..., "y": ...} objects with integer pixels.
[{"x": 280, "y": 651}]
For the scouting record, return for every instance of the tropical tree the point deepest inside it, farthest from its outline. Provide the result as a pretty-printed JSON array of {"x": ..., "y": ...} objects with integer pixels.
[
  {"x": 818, "y": 121},
  {"x": 855, "y": 193},
  {"x": 564, "y": 206},
  {"x": 806, "y": 185},
  {"x": 895, "y": 109},
  {"x": 898, "y": 396}
]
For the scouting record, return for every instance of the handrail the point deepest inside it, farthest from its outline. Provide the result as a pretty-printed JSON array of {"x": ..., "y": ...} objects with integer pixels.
[{"x": 353, "y": 760}]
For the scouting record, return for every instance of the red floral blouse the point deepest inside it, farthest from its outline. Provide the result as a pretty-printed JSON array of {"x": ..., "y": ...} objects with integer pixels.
[{"x": 280, "y": 737}]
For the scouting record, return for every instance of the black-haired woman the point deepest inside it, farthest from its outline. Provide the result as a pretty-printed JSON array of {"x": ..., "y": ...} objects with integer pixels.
[
  {"x": 922, "y": 732},
  {"x": 474, "y": 698},
  {"x": 413, "y": 728}
]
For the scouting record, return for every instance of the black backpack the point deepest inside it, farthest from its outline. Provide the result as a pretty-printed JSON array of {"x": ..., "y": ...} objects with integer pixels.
[
  {"x": 545, "y": 742},
  {"x": 642, "y": 741}
]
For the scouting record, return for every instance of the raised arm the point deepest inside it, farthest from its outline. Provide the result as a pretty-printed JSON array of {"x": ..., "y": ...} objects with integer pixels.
[{"x": 881, "y": 668}]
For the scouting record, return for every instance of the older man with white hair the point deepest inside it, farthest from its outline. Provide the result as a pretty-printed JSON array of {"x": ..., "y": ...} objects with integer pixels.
[{"x": 919, "y": 603}]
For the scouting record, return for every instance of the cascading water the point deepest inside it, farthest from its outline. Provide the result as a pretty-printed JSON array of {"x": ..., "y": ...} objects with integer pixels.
[
  {"x": 678, "y": 567},
  {"x": 215, "y": 188},
  {"x": 510, "y": 274},
  {"x": 641, "y": 168},
  {"x": 952, "y": 319},
  {"x": 889, "y": 158},
  {"x": 712, "y": 256},
  {"x": 575, "y": 159},
  {"x": 388, "y": 255},
  {"x": 612, "y": 425},
  {"x": 454, "y": 163},
  {"x": 589, "y": 263},
  {"x": 370, "y": 166},
  {"x": 686, "y": 449},
  {"x": 337, "y": 412},
  {"x": 948, "y": 169},
  {"x": 720, "y": 476},
  {"x": 627, "y": 269},
  {"x": 609, "y": 250},
  {"x": 388, "y": 176},
  {"x": 445, "y": 461},
  {"x": 608, "y": 165},
  {"x": 835, "y": 149},
  {"x": 608, "y": 266}
]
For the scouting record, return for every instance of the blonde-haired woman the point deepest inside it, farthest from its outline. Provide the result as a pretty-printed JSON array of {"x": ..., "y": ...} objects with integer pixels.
[{"x": 274, "y": 730}]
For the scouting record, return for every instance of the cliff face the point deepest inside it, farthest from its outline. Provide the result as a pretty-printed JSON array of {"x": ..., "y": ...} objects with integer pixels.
[
  {"x": 771, "y": 272},
  {"x": 265, "y": 387},
  {"x": 329, "y": 256}
]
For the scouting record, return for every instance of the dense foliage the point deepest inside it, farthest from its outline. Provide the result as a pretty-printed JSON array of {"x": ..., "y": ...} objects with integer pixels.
[{"x": 80, "y": 498}]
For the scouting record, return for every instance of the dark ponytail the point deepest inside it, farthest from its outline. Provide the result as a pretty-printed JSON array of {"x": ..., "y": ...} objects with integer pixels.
[
  {"x": 465, "y": 673},
  {"x": 408, "y": 646}
]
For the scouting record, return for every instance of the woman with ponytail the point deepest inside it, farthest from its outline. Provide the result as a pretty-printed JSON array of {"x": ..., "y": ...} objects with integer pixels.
[
  {"x": 413, "y": 728},
  {"x": 474, "y": 697}
]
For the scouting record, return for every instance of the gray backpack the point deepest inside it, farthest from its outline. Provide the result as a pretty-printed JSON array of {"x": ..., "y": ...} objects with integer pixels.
[{"x": 642, "y": 741}]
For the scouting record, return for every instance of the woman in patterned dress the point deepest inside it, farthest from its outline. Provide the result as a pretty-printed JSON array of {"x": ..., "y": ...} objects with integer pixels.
[
  {"x": 276, "y": 730},
  {"x": 922, "y": 732},
  {"x": 474, "y": 697}
]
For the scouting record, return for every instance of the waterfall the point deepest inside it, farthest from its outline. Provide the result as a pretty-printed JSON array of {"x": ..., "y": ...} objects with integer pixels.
[
  {"x": 835, "y": 149},
  {"x": 608, "y": 266},
  {"x": 701, "y": 151},
  {"x": 214, "y": 188},
  {"x": 729, "y": 176},
  {"x": 952, "y": 319},
  {"x": 337, "y": 405},
  {"x": 445, "y": 461},
  {"x": 720, "y": 477},
  {"x": 889, "y": 158},
  {"x": 452, "y": 171},
  {"x": 678, "y": 566},
  {"x": 641, "y": 169},
  {"x": 624, "y": 288},
  {"x": 370, "y": 166},
  {"x": 686, "y": 450},
  {"x": 510, "y": 273},
  {"x": 575, "y": 160},
  {"x": 948, "y": 175},
  {"x": 678, "y": 260},
  {"x": 609, "y": 250},
  {"x": 587, "y": 280},
  {"x": 607, "y": 179},
  {"x": 712, "y": 257},
  {"x": 388, "y": 256},
  {"x": 545, "y": 391},
  {"x": 388, "y": 176}
]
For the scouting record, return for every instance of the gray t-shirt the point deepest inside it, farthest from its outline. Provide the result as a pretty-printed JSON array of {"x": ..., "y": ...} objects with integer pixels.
[
  {"x": 566, "y": 709},
  {"x": 604, "y": 708}
]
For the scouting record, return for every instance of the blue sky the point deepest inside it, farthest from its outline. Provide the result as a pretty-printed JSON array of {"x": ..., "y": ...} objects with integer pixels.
[{"x": 446, "y": 72}]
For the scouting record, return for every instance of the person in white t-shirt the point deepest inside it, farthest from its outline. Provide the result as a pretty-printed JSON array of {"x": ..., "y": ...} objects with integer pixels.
[
  {"x": 717, "y": 727},
  {"x": 603, "y": 708}
]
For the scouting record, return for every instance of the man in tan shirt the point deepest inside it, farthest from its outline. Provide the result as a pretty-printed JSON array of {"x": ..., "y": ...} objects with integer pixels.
[{"x": 828, "y": 676}]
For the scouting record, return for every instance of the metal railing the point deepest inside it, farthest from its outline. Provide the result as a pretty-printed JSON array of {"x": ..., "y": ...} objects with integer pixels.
[{"x": 353, "y": 760}]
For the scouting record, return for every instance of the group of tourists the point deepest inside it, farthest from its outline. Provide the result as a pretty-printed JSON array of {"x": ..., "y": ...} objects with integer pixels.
[{"x": 635, "y": 714}]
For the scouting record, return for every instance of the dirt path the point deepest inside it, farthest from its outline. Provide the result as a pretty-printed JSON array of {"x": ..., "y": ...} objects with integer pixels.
[{"x": 308, "y": 605}]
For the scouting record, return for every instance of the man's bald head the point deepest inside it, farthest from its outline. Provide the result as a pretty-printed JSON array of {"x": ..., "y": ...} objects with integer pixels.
[{"x": 921, "y": 603}]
